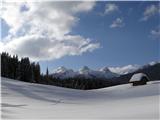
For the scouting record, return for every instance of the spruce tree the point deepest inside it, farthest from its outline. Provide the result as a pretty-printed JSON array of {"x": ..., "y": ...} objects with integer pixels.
[
  {"x": 36, "y": 72},
  {"x": 26, "y": 70},
  {"x": 15, "y": 67}
]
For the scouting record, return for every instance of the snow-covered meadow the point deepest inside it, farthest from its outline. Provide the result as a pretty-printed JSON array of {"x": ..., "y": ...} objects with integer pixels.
[{"x": 34, "y": 101}]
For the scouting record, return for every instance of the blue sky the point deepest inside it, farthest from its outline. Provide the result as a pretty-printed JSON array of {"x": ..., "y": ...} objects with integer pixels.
[{"x": 127, "y": 33}]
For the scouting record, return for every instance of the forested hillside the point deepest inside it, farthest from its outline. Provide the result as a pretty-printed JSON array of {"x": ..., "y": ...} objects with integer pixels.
[{"x": 25, "y": 70}]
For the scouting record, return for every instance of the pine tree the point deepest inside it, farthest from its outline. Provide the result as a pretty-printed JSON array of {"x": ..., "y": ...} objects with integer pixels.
[
  {"x": 15, "y": 67},
  {"x": 47, "y": 76},
  {"x": 26, "y": 70},
  {"x": 4, "y": 64},
  {"x": 47, "y": 72},
  {"x": 36, "y": 72}
]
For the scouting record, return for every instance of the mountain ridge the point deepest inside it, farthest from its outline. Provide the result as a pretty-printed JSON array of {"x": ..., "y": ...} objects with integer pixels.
[{"x": 103, "y": 73}]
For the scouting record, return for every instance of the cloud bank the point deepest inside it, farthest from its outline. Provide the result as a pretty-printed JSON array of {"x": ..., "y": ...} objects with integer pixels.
[{"x": 42, "y": 30}]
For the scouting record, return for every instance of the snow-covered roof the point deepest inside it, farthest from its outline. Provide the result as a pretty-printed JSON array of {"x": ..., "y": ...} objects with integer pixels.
[{"x": 137, "y": 77}]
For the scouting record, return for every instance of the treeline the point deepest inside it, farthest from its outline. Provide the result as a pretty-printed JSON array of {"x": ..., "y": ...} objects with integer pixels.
[
  {"x": 77, "y": 83},
  {"x": 24, "y": 70},
  {"x": 27, "y": 71}
]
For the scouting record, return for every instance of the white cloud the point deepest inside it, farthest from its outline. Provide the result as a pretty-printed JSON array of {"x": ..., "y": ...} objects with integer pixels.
[
  {"x": 83, "y": 6},
  {"x": 39, "y": 47},
  {"x": 125, "y": 69},
  {"x": 155, "y": 33},
  {"x": 149, "y": 12},
  {"x": 117, "y": 23},
  {"x": 42, "y": 31},
  {"x": 110, "y": 7}
]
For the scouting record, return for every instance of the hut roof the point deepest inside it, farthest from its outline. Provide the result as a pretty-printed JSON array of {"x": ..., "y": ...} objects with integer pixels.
[{"x": 137, "y": 77}]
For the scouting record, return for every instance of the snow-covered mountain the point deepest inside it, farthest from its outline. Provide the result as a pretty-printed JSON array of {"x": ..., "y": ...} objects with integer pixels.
[
  {"x": 108, "y": 73},
  {"x": 85, "y": 72},
  {"x": 102, "y": 73},
  {"x": 62, "y": 72},
  {"x": 131, "y": 68},
  {"x": 125, "y": 69},
  {"x": 105, "y": 72}
]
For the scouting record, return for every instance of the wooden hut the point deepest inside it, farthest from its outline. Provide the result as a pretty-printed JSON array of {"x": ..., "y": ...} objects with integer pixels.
[{"x": 139, "y": 79}]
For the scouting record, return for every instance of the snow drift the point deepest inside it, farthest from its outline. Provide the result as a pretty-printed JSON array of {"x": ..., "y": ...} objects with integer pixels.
[{"x": 34, "y": 101}]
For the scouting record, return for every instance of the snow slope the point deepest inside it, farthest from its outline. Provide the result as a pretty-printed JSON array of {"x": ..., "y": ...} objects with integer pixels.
[{"x": 26, "y": 100}]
